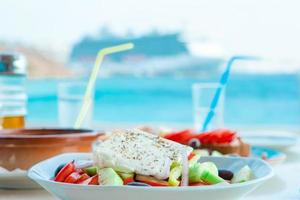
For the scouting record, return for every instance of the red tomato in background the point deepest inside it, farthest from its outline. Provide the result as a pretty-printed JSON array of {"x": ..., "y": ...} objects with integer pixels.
[
  {"x": 219, "y": 136},
  {"x": 182, "y": 137}
]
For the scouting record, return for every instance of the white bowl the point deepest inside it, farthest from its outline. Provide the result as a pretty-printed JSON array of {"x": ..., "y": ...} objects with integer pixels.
[{"x": 43, "y": 173}]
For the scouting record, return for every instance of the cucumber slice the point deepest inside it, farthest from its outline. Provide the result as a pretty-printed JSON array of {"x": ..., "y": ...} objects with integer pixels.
[
  {"x": 194, "y": 176},
  {"x": 206, "y": 172},
  {"x": 91, "y": 171},
  {"x": 123, "y": 170},
  {"x": 211, "y": 178},
  {"x": 210, "y": 166},
  {"x": 175, "y": 173},
  {"x": 245, "y": 174},
  {"x": 202, "y": 152},
  {"x": 194, "y": 160},
  {"x": 125, "y": 175},
  {"x": 108, "y": 176},
  {"x": 216, "y": 153}
]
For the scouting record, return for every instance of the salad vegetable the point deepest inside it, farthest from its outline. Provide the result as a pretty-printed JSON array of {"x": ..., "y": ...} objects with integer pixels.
[
  {"x": 175, "y": 173},
  {"x": 243, "y": 175},
  {"x": 127, "y": 177},
  {"x": 142, "y": 159},
  {"x": 91, "y": 171},
  {"x": 188, "y": 137},
  {"x": 194, "y": 159},
  {"x": 200, "y": 174},
  {"x": 94, "y": 180},
  {"x": 82, "y": 178},
  {"x": 206, "y": 172},
  {"x": 225, "y": 174},
  {"x": 151, "y": 181},
  {"x": 73, "y": 177},
  {"x": 108, "y": 176},
  {"x": 65, "y": 172}
]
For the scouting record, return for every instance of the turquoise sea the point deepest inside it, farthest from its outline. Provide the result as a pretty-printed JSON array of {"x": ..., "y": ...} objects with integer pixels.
[{"x": 250, "y": 100}]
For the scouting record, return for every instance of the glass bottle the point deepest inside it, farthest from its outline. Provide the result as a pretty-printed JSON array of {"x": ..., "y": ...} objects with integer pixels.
[{"x": 13, "y": 97}]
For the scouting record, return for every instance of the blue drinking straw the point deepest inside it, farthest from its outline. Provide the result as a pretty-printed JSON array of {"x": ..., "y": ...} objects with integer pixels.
[{"x": 222, "y": 83}]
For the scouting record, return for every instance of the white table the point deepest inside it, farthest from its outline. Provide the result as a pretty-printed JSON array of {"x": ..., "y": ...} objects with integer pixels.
[{"x": 285, "y": 184}]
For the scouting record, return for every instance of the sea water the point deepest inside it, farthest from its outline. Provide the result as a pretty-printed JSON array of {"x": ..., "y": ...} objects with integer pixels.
[
  {"x": 68, "y": 110},
  {"x": 249, "y": 100}
]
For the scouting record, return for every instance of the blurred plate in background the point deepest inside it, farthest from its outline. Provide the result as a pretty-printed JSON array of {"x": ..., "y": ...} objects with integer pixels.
[
  {"x": 272, "y": 141},
  {"x": 271, "y": 156}
]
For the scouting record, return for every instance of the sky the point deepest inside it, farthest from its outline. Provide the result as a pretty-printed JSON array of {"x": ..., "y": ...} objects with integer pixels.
[{"x": 269, "y": 28}]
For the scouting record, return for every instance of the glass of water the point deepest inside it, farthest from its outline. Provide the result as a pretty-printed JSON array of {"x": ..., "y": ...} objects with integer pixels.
[
  {"x": 70, "y": 99},
  {"x": 203, "y": 94}
]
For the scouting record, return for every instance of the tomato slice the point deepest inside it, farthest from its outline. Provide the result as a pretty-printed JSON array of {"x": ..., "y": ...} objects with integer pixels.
[
  {"x": 128, "y": 180},
  {"x": 73, "y": 177},
  {"x": 198, "y": 184},
  {"x": 65, "y": 172},
  {"x": 82, "y": 178},
  {"x": 191, "y": 156},
  {"x": 151, "y": 181},
  {"x": 80, "y": 171},
  {"x": 94, "y": 180}
]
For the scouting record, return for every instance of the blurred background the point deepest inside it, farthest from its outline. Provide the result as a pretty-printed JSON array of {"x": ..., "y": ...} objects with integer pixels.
[{"x": 177, "y": 43}]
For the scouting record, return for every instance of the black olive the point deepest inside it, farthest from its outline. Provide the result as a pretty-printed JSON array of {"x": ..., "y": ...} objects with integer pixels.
[
  {"x": 58, "y": 169},
  {"x": 225, "y": 174},
  {"x": 138, "y": 184},
  {"x": 194, "y": 143}
]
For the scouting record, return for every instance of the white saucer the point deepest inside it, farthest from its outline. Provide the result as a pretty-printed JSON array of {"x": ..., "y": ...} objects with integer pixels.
[{"x": 272, "y": 141}]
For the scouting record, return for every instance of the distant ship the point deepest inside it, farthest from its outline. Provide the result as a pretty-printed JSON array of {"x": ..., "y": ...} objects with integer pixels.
[{"x": 153, "y": 55}]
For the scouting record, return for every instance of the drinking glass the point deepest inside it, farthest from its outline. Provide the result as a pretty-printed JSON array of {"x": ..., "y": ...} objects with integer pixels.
[
  {"x": 70, "y": 100},
  {"x": 203, "y": 94}
]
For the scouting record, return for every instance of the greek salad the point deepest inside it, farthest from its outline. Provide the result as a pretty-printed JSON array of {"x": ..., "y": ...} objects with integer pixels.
[{"x": 137, "y": 158}]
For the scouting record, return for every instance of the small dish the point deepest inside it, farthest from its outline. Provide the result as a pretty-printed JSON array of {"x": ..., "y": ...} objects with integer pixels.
[
  {"x": 271, "y": 156},
  {"x": 43, "y": 173}
]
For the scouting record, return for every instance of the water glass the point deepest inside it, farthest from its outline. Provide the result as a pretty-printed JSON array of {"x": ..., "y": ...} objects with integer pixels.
[
  {"x": 70, "y": 100},
  {"x": 203, "y": 94}
]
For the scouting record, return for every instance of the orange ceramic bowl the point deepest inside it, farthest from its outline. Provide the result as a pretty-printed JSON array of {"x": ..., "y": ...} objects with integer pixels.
[{"x": 22, "y": 148}]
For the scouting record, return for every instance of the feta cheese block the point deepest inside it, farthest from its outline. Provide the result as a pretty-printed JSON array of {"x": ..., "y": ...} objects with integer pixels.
[{"x": 140, "y": 152}]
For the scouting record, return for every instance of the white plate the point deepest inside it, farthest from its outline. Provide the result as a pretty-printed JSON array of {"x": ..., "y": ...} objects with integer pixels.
[
  {"x": 271, "y": 141},
  {"x": 43, "y": 172}
]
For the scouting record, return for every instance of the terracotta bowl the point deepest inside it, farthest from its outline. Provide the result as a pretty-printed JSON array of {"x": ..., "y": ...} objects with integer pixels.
[{"x": 22, "y": 148}]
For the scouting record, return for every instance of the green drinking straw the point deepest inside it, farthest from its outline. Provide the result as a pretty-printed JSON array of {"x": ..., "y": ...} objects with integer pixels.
[{"x": 88, "y": 93}]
